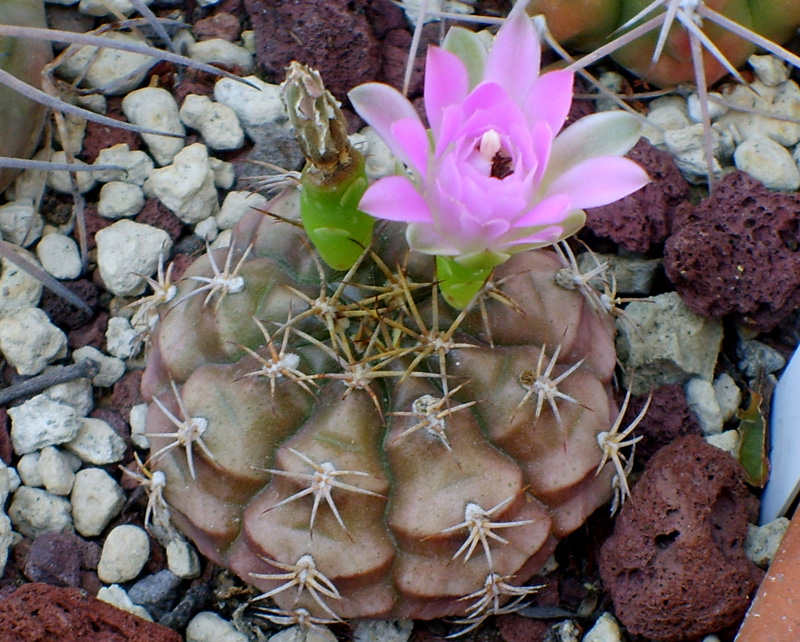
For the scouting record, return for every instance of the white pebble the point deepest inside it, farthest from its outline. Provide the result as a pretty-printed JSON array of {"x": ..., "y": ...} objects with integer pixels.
[
  {"x": 28, "y": 469},
  {"x": 729, "y": 397},
  {"x": 217, "y": 123},
  {"x": 60, "y": 256},
  {"x": 97, "y": 443},
  {"x": 96, "y": 499},
  {"x": 207, "y": 229},
  {"x": 702, "y": 401},
  {"x": 127, "y": 251},
  {"x": 769, "y": 69},
  {"x": 136, "y": 165},
  {"x": 20, "y": 223},
  {"x": 715, "y": 109},
  {"x": 41, "y": 422},
  {"x": 254, "y": 106},
  {"x": 382, "y": 630},
  {"x": 6, "y": 539},
  {"x": 605, "y": 629},
  {"x": 20, "y": 290},
  {"x": 155, "y": 108},
  {"x": 222, "y": 52},
  {"x": 113, "y": 71},
  {"x": 55, "y": 471},
  {"x": 29, "y": 341},
  {"x": 122, "y": 340},
  {"x": 236, "y": 205},
  {"x": 34, "y": 511},
  {"x": 117, "y": 596},
  {"x": 111, "y": 368},
  {"x": 120, "y": 200},
  {"x": 77, "y": 393},
  {"x": 210, "y": 627},
  {"x": 182, "y": 559},
  {"x": 728, "y": 441},
  {"x": 6, "y": 474},
  {"x": 107, "y": 7},
  {"x": 762, "y": 542},
  {"x": 59, "y": 180},
  {"x": 768, "y": 162},
  {"x": 223, "y": 239},
  {"x": 224, "y": 173},
  {"x": 686, "y": 147},
  {"x": 187, "y": 186},
  {"x": 304, "y": 634},
  {"x": 378, "y": 158},
  {"x": 138, "y": 422},
  {"x": 124, "y": 554}
]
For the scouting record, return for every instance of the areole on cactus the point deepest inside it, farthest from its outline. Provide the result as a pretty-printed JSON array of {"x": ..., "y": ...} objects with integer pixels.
[{"x": 354, "y": 446}]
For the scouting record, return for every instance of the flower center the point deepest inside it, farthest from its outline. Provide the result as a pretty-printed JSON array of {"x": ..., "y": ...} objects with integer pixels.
[{"x": 492, "y": 150}]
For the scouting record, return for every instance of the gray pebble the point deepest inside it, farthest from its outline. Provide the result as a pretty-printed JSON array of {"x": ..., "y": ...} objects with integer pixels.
[{"x": 157, "y": 592}]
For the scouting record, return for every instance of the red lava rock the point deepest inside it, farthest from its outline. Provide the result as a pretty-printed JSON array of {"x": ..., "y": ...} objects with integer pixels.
[
  {"x": 127, "y": 393},
  {"x": 102, "y": 136},
  {"x": 667, "y": 419},
  {"x": 754, "y": 268},
  {"x": 220, "y": 25},
  {"x": 38, "y": 612},
  {"x": 65, "y": 315},
  {"x": 92, "y": 334},
  {"x": 113, "y": 419},
  {"x": 94, "y": 223},
  {"x": 675, "y": 566},
  {"x": 156, "y": 214},
  {"x": 5, "y": 438},
  {"x": 643, "y": 219},
  {"x": 332, "y": 36},
  {"x": 58, "y": 559},
  {"x": 516, "y": 628}
]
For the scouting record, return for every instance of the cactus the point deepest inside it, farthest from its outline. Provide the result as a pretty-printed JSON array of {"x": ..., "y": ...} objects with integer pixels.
[
  {"x": 589, "y": 24},
  {"x": 351, "y": 445}
]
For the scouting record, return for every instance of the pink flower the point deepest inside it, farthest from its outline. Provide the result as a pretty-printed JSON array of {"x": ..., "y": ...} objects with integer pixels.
[{"x": 492, "y": 178}]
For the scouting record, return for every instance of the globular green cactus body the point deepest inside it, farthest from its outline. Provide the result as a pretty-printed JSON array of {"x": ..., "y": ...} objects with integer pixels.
[{"x": 361, "y": 449}]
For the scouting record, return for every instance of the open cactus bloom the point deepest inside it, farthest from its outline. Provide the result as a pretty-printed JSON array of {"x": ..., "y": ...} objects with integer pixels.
[{"x": 493, "y": 177}]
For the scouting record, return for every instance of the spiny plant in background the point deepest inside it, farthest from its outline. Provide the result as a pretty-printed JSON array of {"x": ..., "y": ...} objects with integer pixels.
[{"x": 406, "y": 426}]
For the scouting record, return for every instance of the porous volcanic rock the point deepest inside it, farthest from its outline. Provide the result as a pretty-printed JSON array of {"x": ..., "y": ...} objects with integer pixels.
[
  {"x": 675, "y": 566},
  {"x": 36, "y": 612},
  {"x": 667, "y": 418},
  {"x": 738, "y": 251},
  {"x": 643, "y": 219},
  {"x": 58, "y": 558}
]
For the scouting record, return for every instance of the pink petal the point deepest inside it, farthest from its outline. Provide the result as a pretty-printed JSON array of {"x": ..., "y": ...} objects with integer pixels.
[
  {"x": 599, "y": 181},
  {"x": 412, "y": 137},
  {"x": 446, "y": 83},
  {"x": 381, "y": 106},
  {"x": 515, "y": 57},
  {"x": 550, "y": 99},
  {"x": 551, "y": 210},
  {"x": 395, "y": 198}
]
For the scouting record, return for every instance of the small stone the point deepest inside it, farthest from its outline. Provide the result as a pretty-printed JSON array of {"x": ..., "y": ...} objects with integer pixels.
[
  {"x": 210, "y": 627},
  {"x": 187, "y": 186},
  {"x": 702, "y": 400},
  {"x": 127, "y": 251},
  {"x": 97, "y": 443},
  {"x": 631, "y": 275},
  {"x": 117, "y": 596},
  {"x": 155, "y": 108},
  {"x": 378, "y": 158},
  {"x": 136, "y": 165},
  {"x": 768, "y": 162},
  {"x": 257, "y": 103},
  {"x": 715, "y": 108},
  {"x": 29, "y": 341},
  {"x": 182, "y": 559},
  {"x": 156, "y": 593},
  {"x": 60, "y": 256},
  {"x": 54, "y": 558},
  {"x": 566, "y": 631},
  {"x": 666, "y": 117},
  {"x": 124, "y": 555},
  {"x": 28, "y": 469},
  {"x": 96, "y": 499},
  {"x": 122, "y": 340},
  {"x": 217, "y": 123},
  {"x": 120, "y": 200},
  {"x": 20, "y": 223},
  {"x": 665, "y": 342},
  {"x": 762, "y": 542},
  {"x": 769, "y": 69},
  {"x": 111, "y": 368},
  {"x": 78, "y": 393},
  {"x": 755, "y": 357},
  {"x": 236, "y": 205},
  {"x": 34, "y": 511},
  {"x": 728, "y": 441},
  {"x": 41, "y": 422},
  {"x": 729, "y": 397},
  {"x": 222, "y": 52},
  {"x": 55, "y": 471},
  {"x": 5, "y": 539},
  {"x": 304, "y": 634},
  {"x": 224, "y": 173},
  {"x": 686, "y": 146},
  {"x": 138, "y": 422},
  {"x": 20, "y": 290},
  {"x": 382, "y": 630},
  {"x": 59, "y": 180},
  {"x": 605, "y": 629},
  {"x": 107, "y": 7},
  {"x": 207, "y": 229}
]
